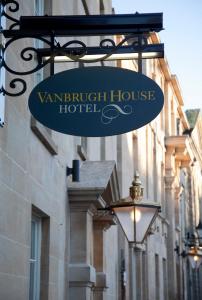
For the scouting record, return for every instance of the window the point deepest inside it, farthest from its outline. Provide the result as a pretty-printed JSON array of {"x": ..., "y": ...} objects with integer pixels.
[
  {"x": 82, "y": 149},
  {"x": 155, "y": 181},
  {"x": 173, "y": 124},
  {"x": 157, "y": 276},
  {"x": 162, "y": 189},
  {"x": 144, "y": 276},
  {"x": 178, "y": 126},
  {"x": 102, "y": 8},
  {"x": 43, "y": 133},
  {"x": 39, "y": 7},
  {"x": 165, "y": 279},
  {"x": 135, "y": 152},
  {"x": 35, "y": 256},
  {"x": 39, "y": 255},
  {"x": 147, "y": 163},
  {"x": 38, "y": 11}
]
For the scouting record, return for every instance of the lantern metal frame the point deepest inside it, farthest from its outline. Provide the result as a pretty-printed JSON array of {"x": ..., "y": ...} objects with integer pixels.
[
  {"x": 125, "y": 203},
  {"x": 134, "y": 29},
  {"x": 195, "y": 256},
  {"x": 192, "y": 243},
  {"x": 194, "y": 239},
  {"x": 135, "y": 201}
]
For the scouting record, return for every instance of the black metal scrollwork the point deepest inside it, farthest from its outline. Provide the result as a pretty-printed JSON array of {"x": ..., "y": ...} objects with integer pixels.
[
  {"x": 13, "y": 85},
  {"x": 13, "y": 6},
  {"x": 106, "y": 43},
  {"x": 74, "y": 49},
  {"x": 27, "y": 54},
  {"x": 32, "y": 54},
  {"x": 73, "y": 53}
]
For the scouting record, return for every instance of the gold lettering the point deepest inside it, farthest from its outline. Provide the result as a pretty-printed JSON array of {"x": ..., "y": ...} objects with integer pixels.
[
  {"x": 125, "y": 96},
  {"x": 92, "y": 97},
  {"x": 135, "y": 95},
  {"x": 58, "y": 97},
  {"x": 67, "y": 97},
  {"x": 63, "y": 109},
  {"x": 95, "y": 108},
  {"x": 143, "y": 95},
  {"x": 75, "y": 97},
  {"x": 102, "y": 96},
  {"x": 89, "y": 108},
  {"x": 151, "y": 95},
  {"x": 116, "y": 95},
  {"x": 49, "y": 97},
  {"x": 72, "y": 108},
  {"x": 82, "y": 96},
  {"x": 42, "y": 96},
  {"x": 80, "y": 106},
  {"x": 111, "y": 96}
]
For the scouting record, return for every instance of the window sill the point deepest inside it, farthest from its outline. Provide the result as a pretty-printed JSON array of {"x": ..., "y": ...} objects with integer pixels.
[{"x": 44, "y": 136}]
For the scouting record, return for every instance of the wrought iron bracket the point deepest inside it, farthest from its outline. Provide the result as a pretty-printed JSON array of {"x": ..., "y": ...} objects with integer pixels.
[{"x": 75, "y": 49}]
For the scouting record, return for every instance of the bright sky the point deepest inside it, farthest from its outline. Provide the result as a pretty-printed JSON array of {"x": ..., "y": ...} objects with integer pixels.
[{"x": 182, "y": 20}]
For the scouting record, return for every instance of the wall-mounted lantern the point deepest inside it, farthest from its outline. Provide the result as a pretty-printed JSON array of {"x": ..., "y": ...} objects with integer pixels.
[
  {"x": 194, "y": 244},
  {"x": 195, "y": 257},
  {"x": 134, "y": 215}
]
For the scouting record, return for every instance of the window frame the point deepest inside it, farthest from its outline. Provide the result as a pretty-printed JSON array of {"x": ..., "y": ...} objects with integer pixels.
[
  {"x": 39, "y": 10},
  {"x": 35, "y": 258},
  {"x": 43, "y": 133}
]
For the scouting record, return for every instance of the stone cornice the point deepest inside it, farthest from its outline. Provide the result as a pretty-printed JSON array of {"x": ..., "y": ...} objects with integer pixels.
[
  {"x": 176, "y": 86},
  {"x": 104, "y": 222},
  {"x": 179, "y": 145},
  {"x": 172, "y": 79},
  {"x": 98, "y": 186}
]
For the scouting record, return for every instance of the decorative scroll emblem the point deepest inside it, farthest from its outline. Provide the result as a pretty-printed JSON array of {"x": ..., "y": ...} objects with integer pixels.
[{"x": 96, "y": 101}]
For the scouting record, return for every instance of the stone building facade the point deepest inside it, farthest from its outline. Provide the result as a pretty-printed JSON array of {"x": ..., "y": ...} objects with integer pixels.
[{"x": 54, "y": 242}]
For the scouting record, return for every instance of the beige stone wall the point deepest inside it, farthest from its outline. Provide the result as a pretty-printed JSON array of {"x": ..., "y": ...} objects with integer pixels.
[
  {"x": 145, "y": 153},
  {"x": 160, "y": 165},
  {"x": 33, "y": 178},
  {"x": 30, "y": 175}
]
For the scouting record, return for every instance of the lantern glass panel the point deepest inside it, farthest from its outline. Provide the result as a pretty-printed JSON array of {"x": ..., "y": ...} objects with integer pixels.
[
  {"x": 148, "y": 215},
  {"x": 125, "y": 217},
  {"x": 195, "y": 261},
  {"x": 136, "y": 221}
]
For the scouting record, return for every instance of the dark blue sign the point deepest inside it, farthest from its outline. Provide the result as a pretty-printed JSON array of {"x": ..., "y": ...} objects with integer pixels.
[{"x": 96, "y": 101}]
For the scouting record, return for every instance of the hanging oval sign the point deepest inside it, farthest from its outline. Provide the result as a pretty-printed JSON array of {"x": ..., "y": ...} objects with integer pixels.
[{"x": 96, "y": 101}]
